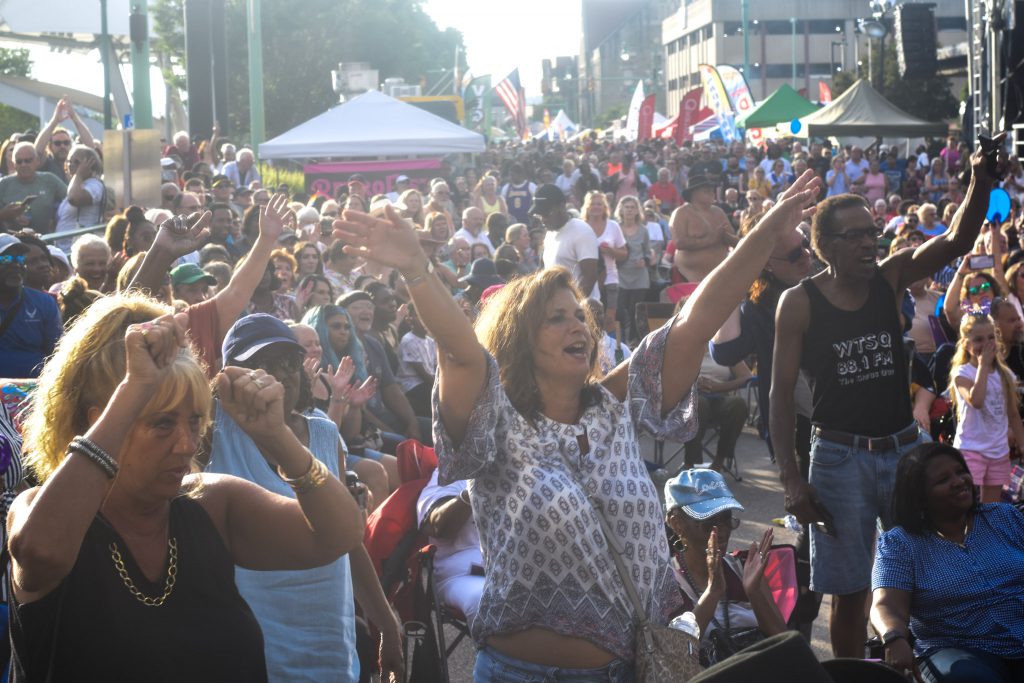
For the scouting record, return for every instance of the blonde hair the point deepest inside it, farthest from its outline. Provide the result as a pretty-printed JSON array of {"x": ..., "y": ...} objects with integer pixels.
[
  {"x": 962, "y": 357},
  {"x": 595, "y": 196},
  {"x": 507, "y": 327},
  {"x": 85, "y": 369},
  {"x": 638, "y": 219}
]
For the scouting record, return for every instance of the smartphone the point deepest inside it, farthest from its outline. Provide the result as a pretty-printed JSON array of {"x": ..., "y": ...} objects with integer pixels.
[
  {"x": 828, "y": 524},
  {"x": 981, "y": 261},
  {"x": 356, "y": 488},
  {"x": 29, "y": 199}
]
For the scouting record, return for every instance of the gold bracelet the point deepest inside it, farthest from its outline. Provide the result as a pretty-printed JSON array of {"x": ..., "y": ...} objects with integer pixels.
[{"x": 312, "y": 479}]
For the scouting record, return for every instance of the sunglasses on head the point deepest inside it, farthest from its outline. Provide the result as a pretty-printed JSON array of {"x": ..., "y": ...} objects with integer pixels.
[
  {"x": 857, "y": 234},
  {"x": 980, "y": 289},
  {"x": 794, "y": 254},
  {"x": 12, "y": 258}
]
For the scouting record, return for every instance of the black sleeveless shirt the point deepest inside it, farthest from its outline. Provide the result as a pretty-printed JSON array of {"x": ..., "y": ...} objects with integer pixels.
[
  {"x": 856, "y": 363},
  {"x": 205, "y": 631}
]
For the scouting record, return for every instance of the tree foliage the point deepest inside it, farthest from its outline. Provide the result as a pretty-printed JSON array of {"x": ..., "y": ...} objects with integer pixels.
[
  {"x": 15, "y": 62},
  {"x": 304, "y": 40},
  {"x": 930, "y": 99}
]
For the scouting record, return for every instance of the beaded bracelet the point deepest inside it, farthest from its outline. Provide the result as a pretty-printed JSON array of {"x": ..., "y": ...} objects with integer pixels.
[
  {"x": 314, "y": 477},
  {"x": 101, "y": 458}
]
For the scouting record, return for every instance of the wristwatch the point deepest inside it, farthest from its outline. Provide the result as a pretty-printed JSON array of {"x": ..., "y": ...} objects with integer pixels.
[
  {"x": 892, "y": 636},
  {"x": 422, "y": 276}
]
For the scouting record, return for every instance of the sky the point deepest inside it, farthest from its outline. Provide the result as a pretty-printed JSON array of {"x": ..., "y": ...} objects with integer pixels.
[{"x": 501, "y": 35}]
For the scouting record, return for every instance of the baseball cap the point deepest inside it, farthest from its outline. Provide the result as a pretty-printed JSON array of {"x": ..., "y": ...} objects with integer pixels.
[
  {"x": 253, "y": 333},
  {"x": 220, "y": 180},
  {"x": 57, "y": 253},
  {"x": 10, "y": 242},
  {"x": 189, "y": 273},
  {"x": 402, "y": 179},
  {"x": 547, "y": 197},
  {"x": 701, "y": 492}
]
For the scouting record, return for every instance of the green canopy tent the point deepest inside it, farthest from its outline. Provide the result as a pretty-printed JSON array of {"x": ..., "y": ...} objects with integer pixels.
[{"x": 785, "y": 104}]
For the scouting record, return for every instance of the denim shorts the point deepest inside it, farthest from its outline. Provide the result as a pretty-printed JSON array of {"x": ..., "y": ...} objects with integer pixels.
[
  {"x": 856, "y": 486},
  {"x": 495, "y": 667}
]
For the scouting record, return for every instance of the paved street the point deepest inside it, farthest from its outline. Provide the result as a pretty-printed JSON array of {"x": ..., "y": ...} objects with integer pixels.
[{"x": 760, "y": 494}]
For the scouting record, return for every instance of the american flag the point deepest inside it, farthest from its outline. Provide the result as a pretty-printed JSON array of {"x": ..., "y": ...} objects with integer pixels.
[{"x": 510, "y": 93}]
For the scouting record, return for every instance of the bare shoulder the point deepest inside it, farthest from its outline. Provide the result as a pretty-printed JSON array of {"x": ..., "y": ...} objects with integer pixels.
[{"x": 794, "y": 309}]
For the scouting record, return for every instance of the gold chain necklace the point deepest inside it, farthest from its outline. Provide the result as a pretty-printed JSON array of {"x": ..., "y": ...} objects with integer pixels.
[
  {"x": 963, "y": 543},
  {"x": 172, "y": 573}
]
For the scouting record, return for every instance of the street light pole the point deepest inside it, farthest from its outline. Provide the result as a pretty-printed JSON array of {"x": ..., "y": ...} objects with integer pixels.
[
  {"x": 256, "y": 125},
  {"x": 143, "y": 103},
  {"x": 744, "y": 9},
  {"x": 793, "y": 22},
  {"x": 108, "y": 114}
]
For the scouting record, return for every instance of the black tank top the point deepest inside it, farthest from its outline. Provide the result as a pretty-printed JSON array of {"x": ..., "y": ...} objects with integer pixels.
[
  {"x": 855, "y": 360},
  {"x": 205, "y": 631}
]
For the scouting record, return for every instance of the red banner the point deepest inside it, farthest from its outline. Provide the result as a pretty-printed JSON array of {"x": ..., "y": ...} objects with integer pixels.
[
  {"x": 824, "y": 92},
  {"x": 645, "y": 121},
  {"x": 688, "y": 107}
]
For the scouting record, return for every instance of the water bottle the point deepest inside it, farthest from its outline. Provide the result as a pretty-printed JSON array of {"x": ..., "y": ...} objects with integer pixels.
[{"x": 789, "y": 522}]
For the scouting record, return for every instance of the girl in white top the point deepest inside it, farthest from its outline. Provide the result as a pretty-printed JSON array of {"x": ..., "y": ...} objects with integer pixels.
[
  {"x": 83, "y": 207},
  {"x": 984, "y": 392}
]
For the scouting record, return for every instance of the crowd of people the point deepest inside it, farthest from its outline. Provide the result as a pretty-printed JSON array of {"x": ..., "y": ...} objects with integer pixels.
[{"x": 193, "y": 381}]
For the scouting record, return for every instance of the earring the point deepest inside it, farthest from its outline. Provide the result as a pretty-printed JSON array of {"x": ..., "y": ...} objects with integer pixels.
[{"x": 679, "y": 545}]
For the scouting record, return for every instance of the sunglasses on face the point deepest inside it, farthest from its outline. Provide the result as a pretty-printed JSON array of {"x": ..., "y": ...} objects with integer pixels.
[
  {"x": 857, "y": 234},
  {"x": 980, "y": 289},
  {"x": 288, "y": 365},
  {"x": 60, "y": 143},
  {"x": 795, "y": 254},
  {"x": 7, "y": 259},
  {"x": 724, "y": 521}
]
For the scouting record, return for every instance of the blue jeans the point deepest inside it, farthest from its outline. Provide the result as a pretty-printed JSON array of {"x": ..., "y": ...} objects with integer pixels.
[
  {"x": 955, "y": 665},
  {"x": 856, "y": 486},
  {"x": 495, "y": 667}
]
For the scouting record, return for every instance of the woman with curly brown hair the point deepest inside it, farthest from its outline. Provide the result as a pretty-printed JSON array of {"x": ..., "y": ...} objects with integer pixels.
[{"x": 520, "y": 410}]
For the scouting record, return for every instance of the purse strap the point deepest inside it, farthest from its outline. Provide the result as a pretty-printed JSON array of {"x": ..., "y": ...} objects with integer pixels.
[{"x": 614, "y": 545}]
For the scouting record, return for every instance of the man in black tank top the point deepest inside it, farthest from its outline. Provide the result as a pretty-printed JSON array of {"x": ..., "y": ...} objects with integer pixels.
[{"x": 842, "y": 327}]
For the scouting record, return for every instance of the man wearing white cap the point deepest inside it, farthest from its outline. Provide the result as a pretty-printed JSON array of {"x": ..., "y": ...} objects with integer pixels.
[
  {"x": 401, "y": 185},
  {"x": 29, "y": 319}
]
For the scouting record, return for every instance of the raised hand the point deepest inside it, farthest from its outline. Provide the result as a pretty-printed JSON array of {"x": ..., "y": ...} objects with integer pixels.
[
  {"x": 311, "y": 366},
  {"x": 757, "y": 562},
  {"x": 793, "y": 206},
  {"x": 389, "y": 241},
  {"x": 401, "y": 314},
  {"x": 273, "y": 218},
  {"x": 358, "y": 396},
  {"x": 341, "y": 378},
  {"x": 150, "y": 348},
  {"x": 979, "y": 163},
  {"x": 303, "y": 293},
  {"x": 254, "y": 400},
  {"x": 181, "y": 235},
  {"x": 716, "y": 574}
]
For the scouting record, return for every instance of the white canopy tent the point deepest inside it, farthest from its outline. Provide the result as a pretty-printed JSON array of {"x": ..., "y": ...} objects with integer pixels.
[{"x": 372, "y": 125}]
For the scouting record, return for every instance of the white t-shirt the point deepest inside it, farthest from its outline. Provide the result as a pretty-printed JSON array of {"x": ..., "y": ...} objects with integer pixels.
[
  {"x": 70, "y": 217},
  {"x": 574, "y": 242},
  {"x": 455, "y": 556},
  {"x": 613, "y": 237},
  {"x": 983, "y": 430},
  {"x": 472, "y": 239},
  {"x": 608, "y": 347},
  {"x": 655, "y": 232},
  {"x": 564, "y": 183},
  {"x": 413, "y": 349}
]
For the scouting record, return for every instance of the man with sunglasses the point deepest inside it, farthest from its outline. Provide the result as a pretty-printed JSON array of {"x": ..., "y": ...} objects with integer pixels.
[
  {"x": 54, "y": 142},
  {"x": 29, "y": 198},
  {"x": 842, "y": 328},
  {"x": 29, "y": 319}
]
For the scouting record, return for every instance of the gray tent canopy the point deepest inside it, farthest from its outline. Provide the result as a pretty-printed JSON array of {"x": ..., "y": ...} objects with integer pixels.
[{"x": 862, "y": 112}]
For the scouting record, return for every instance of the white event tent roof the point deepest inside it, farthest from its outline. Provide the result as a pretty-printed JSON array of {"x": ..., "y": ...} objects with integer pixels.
[{"x": 372, "y": 125}]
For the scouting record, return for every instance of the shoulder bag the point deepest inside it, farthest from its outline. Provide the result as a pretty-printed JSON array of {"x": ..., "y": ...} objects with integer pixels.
[{"x": 663, "y": 654}]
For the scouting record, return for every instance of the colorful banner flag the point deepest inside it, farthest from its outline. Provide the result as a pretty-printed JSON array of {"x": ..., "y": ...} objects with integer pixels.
[
  {"x": 824, "y": 92},
  {"x": 646, "y": 119},
  {"x": 510, "y": 92},
  {"x": 477, "y": 98},
  {"x": 737, "y": 89},
  {"x": 714, "y": 91},
  {"x": 688, "y": 107},
  {"x": 633, "y": 116}
]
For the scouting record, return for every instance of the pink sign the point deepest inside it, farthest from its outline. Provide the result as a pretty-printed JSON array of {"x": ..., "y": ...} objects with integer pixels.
[{"x": 379, "y": 175}]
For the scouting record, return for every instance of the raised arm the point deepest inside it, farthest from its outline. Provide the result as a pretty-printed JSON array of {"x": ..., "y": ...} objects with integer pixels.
[
  {"x": 233, "y": 299},
  {"x": 47, "y": 524},
  {"x": 462, "y": 369},
  {"x": 928, "y": 258},
  {"x": 84, "y": 134},
  {"x": 60, "y": 112},
  {"x": 176, "y": 237},
  {"x": 78, "y": 196}
]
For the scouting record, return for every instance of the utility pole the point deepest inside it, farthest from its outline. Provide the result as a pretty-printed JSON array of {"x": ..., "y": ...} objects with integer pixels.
[
  {"x": 255, "y": 31},
  {"x": 108, "y": 114},
  {"x": 744, "y": 10},
  {"x": 793, "y": 22},
  {"x": 142, "y": 110}
]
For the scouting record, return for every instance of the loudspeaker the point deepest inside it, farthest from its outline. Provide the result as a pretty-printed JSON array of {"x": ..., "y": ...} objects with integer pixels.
[{"x": 915, "y": 40}]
